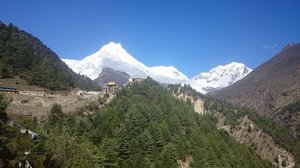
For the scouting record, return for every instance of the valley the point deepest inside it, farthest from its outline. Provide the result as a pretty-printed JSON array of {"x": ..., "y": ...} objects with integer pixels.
[{"x": 111, "y": 110}]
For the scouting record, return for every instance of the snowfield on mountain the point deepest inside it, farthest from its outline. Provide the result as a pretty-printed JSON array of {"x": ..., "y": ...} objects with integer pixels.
[{"x": 114, "y": 56}]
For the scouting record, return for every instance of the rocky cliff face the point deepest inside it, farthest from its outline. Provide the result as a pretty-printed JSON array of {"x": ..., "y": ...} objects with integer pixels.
[
  {"x": 195, "y": 101},
  {"x": 186, "y": 163},
  {"x": 240, "y": 127},
  {"x": 246, "y": 131},
  {"x": 108, "y": 74}
]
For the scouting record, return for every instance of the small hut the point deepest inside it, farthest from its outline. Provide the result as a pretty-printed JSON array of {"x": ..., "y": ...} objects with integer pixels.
[{"x": 111, "y": 87}]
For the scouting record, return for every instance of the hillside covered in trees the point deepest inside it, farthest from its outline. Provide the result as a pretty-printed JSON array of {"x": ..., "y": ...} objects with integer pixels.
[
  {"x": 144, "y": 126},
  {"x": 23, "y": 55},
  {"x": 233, "y": 115}
]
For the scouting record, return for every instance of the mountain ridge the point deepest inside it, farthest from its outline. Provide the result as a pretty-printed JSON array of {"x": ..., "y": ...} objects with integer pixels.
[
  {"x": 23, "y": 55},
  {"x": 222, "y": 75},
  {"x": 270, "y": 88},
  {"x": 113, "y": 55}
]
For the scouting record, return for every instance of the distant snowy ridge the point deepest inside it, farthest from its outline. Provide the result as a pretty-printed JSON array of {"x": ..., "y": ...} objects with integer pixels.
[
  {"x": 221, "y": 76},
  {"x": 113, "y": 55},
  {"x": 167, "y": 74}
]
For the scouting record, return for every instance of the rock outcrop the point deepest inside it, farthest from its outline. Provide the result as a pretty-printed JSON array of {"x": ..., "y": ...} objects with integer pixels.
[{"x": 246, "y": 131}]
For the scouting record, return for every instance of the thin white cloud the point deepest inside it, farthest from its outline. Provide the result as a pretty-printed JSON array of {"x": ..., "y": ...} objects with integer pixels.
[{"x": 268, "y": 47}]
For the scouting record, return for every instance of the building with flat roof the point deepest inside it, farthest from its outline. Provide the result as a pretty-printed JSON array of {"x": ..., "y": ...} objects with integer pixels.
[
  {"x": 111, "y": 87},
  {"x": 9, "y": 89}
]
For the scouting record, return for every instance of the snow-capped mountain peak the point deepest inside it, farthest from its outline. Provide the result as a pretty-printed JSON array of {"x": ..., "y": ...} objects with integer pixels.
[
  {"x": 114, "y": 50},
  {"x": 112, "y": 47},
  {"x": 222, "y": 75},
  {"x": 114, "y": 56}
]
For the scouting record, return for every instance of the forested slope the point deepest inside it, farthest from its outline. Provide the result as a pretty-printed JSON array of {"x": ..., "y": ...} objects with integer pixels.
[
  {"x": 144, "y": 126},
  {"x": 23, "y": 55},
  {"x": 273, "y": 139}
]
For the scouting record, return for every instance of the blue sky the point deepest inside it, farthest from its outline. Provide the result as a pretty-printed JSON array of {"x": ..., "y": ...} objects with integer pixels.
[{"x": 194, "y": 36}]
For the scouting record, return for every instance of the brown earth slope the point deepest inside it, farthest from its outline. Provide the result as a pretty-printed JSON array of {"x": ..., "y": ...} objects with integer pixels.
[{"x": 270, "y": 87}]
